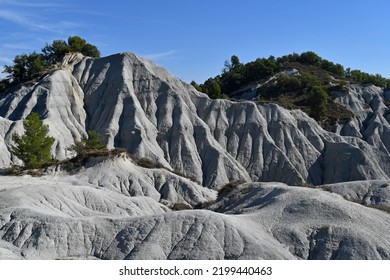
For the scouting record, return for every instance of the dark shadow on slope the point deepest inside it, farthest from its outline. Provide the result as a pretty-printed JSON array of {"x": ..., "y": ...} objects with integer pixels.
[
  {"x": 343, "y": 162},
  {"x": 18, "y": 112}
]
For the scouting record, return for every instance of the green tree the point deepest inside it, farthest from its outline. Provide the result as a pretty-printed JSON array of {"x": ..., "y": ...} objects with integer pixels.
[
  {"x": 90, "y": 50},
  {"x": 56, "y": 51},
  {"x": 94, "y": 140},
  {"x": 339, "y": 70},
  {"x": 233, "y": 64},
  {"x": 259, "y": 69},
  {"x": 336, "y": 69},
  {"x": 212, "y": 88},
  {"x": 26, "y": 67},
  {"x": 18, "y": 71},
  {"x": 78, "y": 44},
  {"x": 356, "y": 76},
  {"x": 196, "y": 86},
  {"x": 235, "y": 61},
  {"x": 318, "y": 101},
  {"x": 287, "y": 83},
  {"x": 34, "y": 147},
  {"x": 35, "y": 65},
  {"x": 310, "y": 58},
  {"x": 348, "y": 74}
]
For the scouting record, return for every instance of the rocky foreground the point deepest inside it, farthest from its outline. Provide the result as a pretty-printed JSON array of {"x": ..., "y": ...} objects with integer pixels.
[{"x": 113, "y": 208}]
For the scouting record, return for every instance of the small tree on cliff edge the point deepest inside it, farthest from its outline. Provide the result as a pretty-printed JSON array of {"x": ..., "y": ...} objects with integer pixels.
[{"x": 34, "y": 147}]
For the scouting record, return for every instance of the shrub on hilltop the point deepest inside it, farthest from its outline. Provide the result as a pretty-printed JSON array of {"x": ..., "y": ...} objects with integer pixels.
[
  {"x": 310, "y": 65},
  {"x": 56, "y": 51},
  {"x": 27, "y": 67}
]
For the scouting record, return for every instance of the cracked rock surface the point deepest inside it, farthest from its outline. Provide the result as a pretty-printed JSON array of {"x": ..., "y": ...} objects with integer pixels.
[{"x": 113, "y": 208}]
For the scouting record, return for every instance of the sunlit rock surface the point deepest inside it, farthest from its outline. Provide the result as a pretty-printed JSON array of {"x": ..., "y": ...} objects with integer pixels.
[{"x": 113, "y": 208}]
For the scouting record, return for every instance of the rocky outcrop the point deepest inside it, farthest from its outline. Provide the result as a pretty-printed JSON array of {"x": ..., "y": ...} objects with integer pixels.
[
  {"x": 58, "y": 100},
  {"x": 370, "y": 193},
  {"x": 64, "y": 218},
  {"x": 313, "y": 224},
  {"x": 122, "y": 175},
  {"x": 113, "y": 208},
  {"x": 139, "y": 106},
  {"x": 372, "y": 116}
]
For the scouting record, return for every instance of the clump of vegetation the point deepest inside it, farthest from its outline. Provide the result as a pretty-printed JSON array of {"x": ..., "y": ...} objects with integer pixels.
[
  {"x": 75, "y": 164},
  {"x": 313, "y": 70},
  {"x": 327, "y": 188},
  {"x": 94, "y": 141},
  {"x": 56, "y": 51},
  {"x": 88, "y": 147},
  {"x": 14, "y": 170},
  {"x": 181, "y": 206},
  {"x": 27, "y": 67},
  {"x": 297, "y": 81},
  {"x": 89, "y": 144},
  {"x": 204, "y": 205},
  {"x": 226, "y": 189},
  {"x": 380, "y": 207},
  {"x": 147, "y": 163},
  {"x": 318, "y": 101},
  {"x": 34, "y": 147}
]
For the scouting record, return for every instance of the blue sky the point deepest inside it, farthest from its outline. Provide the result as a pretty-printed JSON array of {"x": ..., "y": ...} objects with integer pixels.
[{"x": 192, "y": 39}]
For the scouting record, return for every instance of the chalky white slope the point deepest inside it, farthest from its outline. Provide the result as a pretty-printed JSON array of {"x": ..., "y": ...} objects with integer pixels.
[
  {"x": 59, "y": 218},
  {"x": 138, "y": 105},
  {"x": 114, "y": 209}
]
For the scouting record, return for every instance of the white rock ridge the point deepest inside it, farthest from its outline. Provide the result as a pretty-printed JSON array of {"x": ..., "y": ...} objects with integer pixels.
[
  {"x": 113, "y": 208},
  {"x": 63, "y": 218},
  {"x": 138, "y": 105}
]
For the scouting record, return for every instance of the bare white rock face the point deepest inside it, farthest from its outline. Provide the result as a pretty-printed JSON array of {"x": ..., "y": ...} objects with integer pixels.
[
  {"x": 59, "y": 219},
  {"x": 312, "y": 223},
  {"x": 123, "y": 176},
  {"x": 372, "y": 193},
  {"x": 113, "y": 208},
  {"x": 139, "y": 106}
]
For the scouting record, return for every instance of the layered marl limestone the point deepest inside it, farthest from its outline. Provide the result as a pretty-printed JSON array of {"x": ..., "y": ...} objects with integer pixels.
[
  {"x": 122, "y": 175},
  {"x": 65, "y": 218},
  {"x": 137, "y": 105},
  {"x": 113, "y": 208}
]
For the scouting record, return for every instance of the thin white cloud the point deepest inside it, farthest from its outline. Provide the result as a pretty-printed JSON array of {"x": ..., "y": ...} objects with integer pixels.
[
  {"x": 31, "y": 4},
  {"x": 11, "y": 16},
  {"x": 18, "y": 46},
  {"x": 161, "y": 55},
  {"x": 27, "y": 21},
  {"x": 21, "y": 19}
]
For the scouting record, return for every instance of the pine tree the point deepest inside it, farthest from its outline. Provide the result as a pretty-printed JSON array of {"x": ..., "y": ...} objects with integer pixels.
[
  {"x": 34, "y": 147},
  {"x": 94, "y": 140}
]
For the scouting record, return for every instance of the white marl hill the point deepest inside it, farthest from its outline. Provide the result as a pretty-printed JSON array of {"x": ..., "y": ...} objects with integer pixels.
[
  {"x": 52, "y": 218},
  {"x": 112, "y": 208},
  {"x": 138, "y": 105}
]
